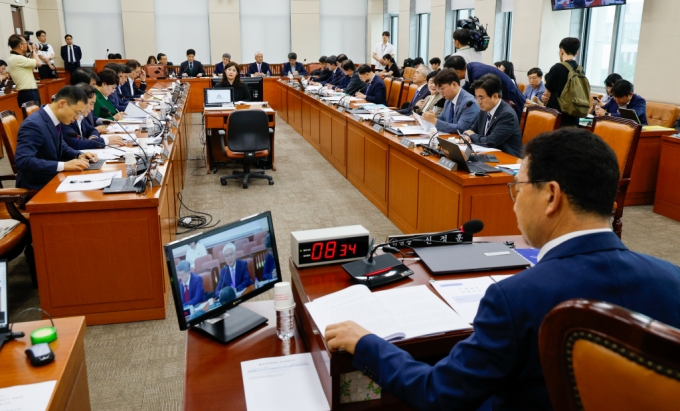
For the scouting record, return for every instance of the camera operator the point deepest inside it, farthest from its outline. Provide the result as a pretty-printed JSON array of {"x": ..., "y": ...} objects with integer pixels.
[
  {"x": 21, "y": 68},
  {"x": 462, "y": 39},
  {"x": 46, "y": 54}
]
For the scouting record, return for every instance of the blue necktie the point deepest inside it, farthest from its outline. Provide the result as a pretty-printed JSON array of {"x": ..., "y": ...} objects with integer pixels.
[
  {"x": 367, "y": 87},
  {"x": 413, "y": 102},
  {"x": 488, "y": 123},
  {"x": 451, "y": 112}
]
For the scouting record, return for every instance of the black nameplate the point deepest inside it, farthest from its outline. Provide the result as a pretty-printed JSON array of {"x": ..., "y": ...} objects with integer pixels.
[
  {"x": 447, "y": 164},
  {"x": 407, "y": 143},
  {"x": 157, "y": 178},
  {"x": 378, "y": 128},
  {"x": 341, "y": 109},
  {"x": 429, "y": 239}
]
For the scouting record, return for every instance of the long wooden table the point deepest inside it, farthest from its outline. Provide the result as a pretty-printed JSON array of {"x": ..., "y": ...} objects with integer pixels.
[
  {"x": 667, "y": 199},
  {"x": 100, "y": 255},
  {"x": 71, "y": 392},
  {"x": 412, "y": 190}
]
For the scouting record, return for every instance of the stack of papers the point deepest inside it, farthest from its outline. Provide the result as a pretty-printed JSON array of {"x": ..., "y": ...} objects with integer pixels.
[
  {"x": 87, "y": 182},
  {"x": 105, "y": 154},
  {"x": 7, "y": 225},
  {"x": 401, "y": 119},
  {"x": 27, "y": 397},
  {"x": 115, "y": 128},
  {"x": 465, "y": 294},
  {"x": 411, "y": 130}
]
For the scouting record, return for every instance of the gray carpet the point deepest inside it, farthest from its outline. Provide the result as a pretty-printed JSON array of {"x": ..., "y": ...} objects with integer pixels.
[{"x": 140, "y": 366}]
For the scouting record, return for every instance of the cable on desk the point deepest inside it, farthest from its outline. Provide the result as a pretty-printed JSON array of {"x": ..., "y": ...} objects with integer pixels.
[{"x": 193, "y": 222}]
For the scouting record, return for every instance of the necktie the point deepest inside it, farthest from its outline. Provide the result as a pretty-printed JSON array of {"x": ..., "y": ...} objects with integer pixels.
[
  {"x": 259, "y": 69},
  {"x": 70, "y": 54},
  {"x": 191, "y": 68},
  {"x": 488, "y": 123},
  {"x": 367, "y": 87},
  {"x": 233, "y": 277},
  {"x": 413, "y": 102},
  {"x": 59, "y": 130},
  {"x": 453, "y": 108},
  {"x": 186, "y": 293}
]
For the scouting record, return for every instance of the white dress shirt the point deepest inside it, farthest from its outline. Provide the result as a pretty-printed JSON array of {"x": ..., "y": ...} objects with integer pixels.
[
  {"x": 561, "y": 239},
  {"x": 469, "y": 54},
  {"x": 193, "y": 254},
  {"x": 55, "y": 121},
  {"x": 381, "y": 49}
]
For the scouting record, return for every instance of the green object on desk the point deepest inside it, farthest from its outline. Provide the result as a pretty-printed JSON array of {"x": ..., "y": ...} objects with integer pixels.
[{"x": 43, "y": 335}]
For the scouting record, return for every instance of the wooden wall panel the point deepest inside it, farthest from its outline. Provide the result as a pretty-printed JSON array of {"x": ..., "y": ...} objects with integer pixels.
[
  {"x": 486, "y": 207},
  {"x": 438, "y": 203}
]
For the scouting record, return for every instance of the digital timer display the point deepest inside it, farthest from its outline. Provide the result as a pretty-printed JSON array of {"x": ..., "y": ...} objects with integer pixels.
[{"x": 333, "y": 250}]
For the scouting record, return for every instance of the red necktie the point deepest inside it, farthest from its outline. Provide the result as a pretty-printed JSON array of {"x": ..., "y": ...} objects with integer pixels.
[{"x": 186, "y": 293}]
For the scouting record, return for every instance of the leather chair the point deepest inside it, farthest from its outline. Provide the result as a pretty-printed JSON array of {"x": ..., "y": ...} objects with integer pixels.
[
  {"x": 249, "y": 140},
  {"x": 251, "y": 268},
  {"x": 388, "y": 87},
  {"x": 408, "y": 94},
  {"x": 29, "y": 108},
  {"x": 239, "y": 243},
  {"x": 198, "y": 263},
  {"x": 259, "y": 237},
  {"x": 207, "y": 278},
  {"x": 19, "y": 239},
  {"x": 599, "y": 356},
  {"x": 394, "y": 93},
  {"x": 9, "y": 134},
  {"x": 408, "y": 73},
  {"x": 210, "y": 269},
  {"x": 622, "y": 135},
  {"x": 313, "y": 66},
  {"x": 248, "y": 247},
  {"x": 660, "y": 114},
  {"x": 521, "y": 87},
  {"x": 217, "y": 248},
  {"x": 540, "y": 120}
]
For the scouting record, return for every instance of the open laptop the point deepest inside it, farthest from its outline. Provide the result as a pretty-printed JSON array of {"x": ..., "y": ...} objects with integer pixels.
[
  {"x": 453, "y": 153},
  {"x": 465, "y": 258},
  {"x": 630, "y": 114},
  {"x": 4, "y": 317},
  {"x": 218, "y": 98}
]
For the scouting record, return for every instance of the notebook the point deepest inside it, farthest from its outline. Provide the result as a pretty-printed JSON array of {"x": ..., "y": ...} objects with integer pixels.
[{"x": 465, "y": 258}]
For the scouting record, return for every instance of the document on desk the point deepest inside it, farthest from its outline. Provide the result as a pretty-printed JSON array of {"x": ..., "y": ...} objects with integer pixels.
[
  {"x": 465, "y": 294},
  {"x": 87, "y": 182},
  {"x": 105, "y": 154},
  {"x": 283, "y": 383},
  {"x": 424, "y": 124},
  {"x": 412, "y": 130},
  {"x": 115, "y": 128},
  {"x": 402, "y": 119},
  {"x": 399, "y": 313},
  {"x": 29, "y": 397},
  {"x": 134, "y": 111}
]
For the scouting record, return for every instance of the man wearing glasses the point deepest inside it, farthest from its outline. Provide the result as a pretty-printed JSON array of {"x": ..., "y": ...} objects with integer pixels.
[
  {"x": 460, "y": 109},
  {"x": 41, "y": 152},
  {"x": 564, "y": 194}
]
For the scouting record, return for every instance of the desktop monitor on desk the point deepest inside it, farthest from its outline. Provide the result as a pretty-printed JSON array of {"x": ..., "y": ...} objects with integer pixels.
[
  {"x": 156, "y": 71},
  {"x": 211, "y": 273}
]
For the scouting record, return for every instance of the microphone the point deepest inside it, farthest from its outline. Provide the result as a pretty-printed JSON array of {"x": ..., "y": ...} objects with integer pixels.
[
  {"x": 72, "y": 134},
  {"x": 184, "y": 71},
  {"x": 105, "y": 112},
  {"x": 106, "y": 54}
]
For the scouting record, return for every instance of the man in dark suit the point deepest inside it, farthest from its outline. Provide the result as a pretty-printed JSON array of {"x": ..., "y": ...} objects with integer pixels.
[
  {"x": 190, "y": 285},
  {"x": 565, "y": 212},
  {"x": 116, "y": 98},
  {"x": 129, "y": 88},
  {"x": 420, "y": 80},
  {"x": 460, "y": 109},
  {"x": 496, "y": 125},
  {"x": 472, "y": 71},
  {"x": 219, "y": 67},
  {"x": 375, "y": 89},
  {"x": 293, "y": 66},
  {"x": 41, "y": 152},
  {"x": 71, "y": 54},
  {"x": 191, "y": 67},
  {"x": 82, "y": 133},
  {"x": 336, "y": 71},
  {"x": 235, "y": 273},
  {"x": 353, "y": 83},
  {"x": 258, "y": 68}
]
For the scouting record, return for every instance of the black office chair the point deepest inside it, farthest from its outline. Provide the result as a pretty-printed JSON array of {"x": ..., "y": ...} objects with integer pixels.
[{"x": 249, "y": 140}]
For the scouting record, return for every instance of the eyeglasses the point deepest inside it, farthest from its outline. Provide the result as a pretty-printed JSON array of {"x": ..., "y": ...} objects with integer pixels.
[
  {"x": 78, "y": 113},
  {"x": 512, "y": 187},
  {"x": 442, "y": 88}
]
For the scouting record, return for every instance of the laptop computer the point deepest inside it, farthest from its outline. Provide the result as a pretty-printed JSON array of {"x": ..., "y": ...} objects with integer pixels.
[
  {"x": 630, "y": 114},
  {"x": 4, "y": 317},
  {"x": 465, "y": 258},
  {"x": 452, "y": 152},
  {"x": 218, "y": 98}
]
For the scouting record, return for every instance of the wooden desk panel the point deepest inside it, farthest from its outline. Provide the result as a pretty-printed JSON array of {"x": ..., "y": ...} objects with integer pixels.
[
  {"x": 52, "y": 86},
  {"x": 667, "y": 198},
  {"x": 272, "y": 92},
  {"x": 643, "y": 177},
  {"x": 195, "y": 100},
  {"x": 403, "y": 192},
  {"x": 71, "y": 392}
]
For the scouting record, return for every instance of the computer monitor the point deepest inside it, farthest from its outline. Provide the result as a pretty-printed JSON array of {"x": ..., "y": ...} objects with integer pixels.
[
  {"x": 586, "y": 4},
  {"x": 217, "y": 95},
  {"x": 255, "y": 85},
  {"x": 155, "y": 71},
  {"x": 212, "y": 273}
]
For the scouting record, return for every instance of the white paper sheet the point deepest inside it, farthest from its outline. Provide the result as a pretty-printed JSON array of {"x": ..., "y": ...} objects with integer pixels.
[
  {"x": 87, "y": 182},
  {"x": 107, "y": 154},
  {"x": 411, "y": 131},
  {"x": 424, "y": 124},
  {"x": 134, "y": 111},
  {"x": 514, "y": 167},
  {"x": 115, "y": 128},
  {"x": 463, "y": 295},
  {"x": 283, "y": 383},
  {"x": 401, "y": 119},
  {"x": 29, "y": 397}
]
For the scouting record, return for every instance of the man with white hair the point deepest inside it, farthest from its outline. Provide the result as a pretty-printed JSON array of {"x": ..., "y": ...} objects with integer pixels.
[
  {"x": 235, "y": 273},
  {"x": 219, "y": 67},
  {"x": 259, "y": 68},
  {"x": 420, "y": 80}
]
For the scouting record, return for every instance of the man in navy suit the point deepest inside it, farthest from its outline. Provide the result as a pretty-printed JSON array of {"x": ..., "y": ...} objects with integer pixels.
[
  {"x": 336, "y": 71},
  {"x": 420, "y": 79},
  {"x": 293, "y": 66},
  {"x": 563, "y": 210},
  {"x": 41, "y": 152},
  {"x": 190, "y": 285},
  {"x": 191, "y": 67},
  {"x": 82, "y": 134},
  {"x": 460, "y": 109},
  {"x": 258, "y": 68},
  {"x": 235, "y": 273},
  {"x": 375, "y": 89},
  {"x": 219, "y": 67},
  {"x": 71, "y": 54},
  {"x": 129, "y": 89},
  {"x": 496, "y": 125},
  {"x": 473, "y": 71}
]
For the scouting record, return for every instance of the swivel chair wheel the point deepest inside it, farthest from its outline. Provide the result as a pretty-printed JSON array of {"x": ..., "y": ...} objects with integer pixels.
[
  {"x": 271, "y": 182},
  {"x": 245, "y": 186},
  {"x": 223, "y": 182},
  {"x": 214, "y": 171}
]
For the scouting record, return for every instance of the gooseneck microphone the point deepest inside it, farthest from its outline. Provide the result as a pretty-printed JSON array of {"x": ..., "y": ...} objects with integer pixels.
[{"x": 105, "y": 112}]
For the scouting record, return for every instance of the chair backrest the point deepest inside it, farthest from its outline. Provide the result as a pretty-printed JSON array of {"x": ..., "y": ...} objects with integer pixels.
[
  {"x": 408, "y": 94},
  {"x": 521, "y": 87},
  {"x": 239, "y": 243},
  {"x": 243, "y": 68},
  {"x": 313, "y": 66},
  {"x": 622, "y": 135},
  {"x": 388, "y": 87},
  {"x": 395, "y": 93},
  {"x": 259, "y": 237},
  {"x": 251, "y": 268},
  {"x": 539, "y": 120},
  {"x": 247, "y": 247},
  {"x": 209, "y": 70},
  {"x": 248, "y": 131},
  {"x": 217, "y": 248},
  {"x": 29, "y": 108},
  {"x": 598, "y": 356},
  {"x": 661, "y": 114},
  {"x": 259, "y": 247},
  {"x": 408, "y": 73},
  {"x": 9, "y": 134},
  {"x": 198, "y": 263},
  {"x": 208, "y": 281},
  {"x": 276, "y": 69}
]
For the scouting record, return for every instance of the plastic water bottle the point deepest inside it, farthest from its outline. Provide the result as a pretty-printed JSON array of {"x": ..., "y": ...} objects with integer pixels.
[
  {"x": 284, "y": 305},
  {"x": 130, "y": 166},
  {"x": 149, "y": 125},
  {"x": 387, "y": 118},
  {"x": 434, "y": 144},
  {"x": 285, "y": 324}
]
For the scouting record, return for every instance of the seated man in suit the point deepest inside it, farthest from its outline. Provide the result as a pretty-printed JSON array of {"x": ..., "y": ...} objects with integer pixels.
[
  {"x": 81, "y": 134},
  {"x": 163, "y": 60},
  {"x": 190, "y": 285},
  {"x": 460, "y": 109},
  {"x": 331, "y": 65},
  {"x": 235, "y": 273},
  {"x": 336, "y": 72},
  {"x": 129, "y": 88},
  {"x": 293, "y": 67},
  {"x": 565, "y": 212},
  {"x": 259, "y": 68},
  {"x": 535, "y": 89},
  {"x": 219, "y": 67},
  {"x": 420, "y": 80},
  {"x": 269, "y": 270},
  {"x": 375, "y": 89},
  {"x": 623, "y": 97},
  {"x": 322, "y": 73},
  {"x": 473, "y": 71},
  {"x": 116, "y": 98},
  {"x": 353, "y": 83},
  {"x": 41, "y": 152},
  {"x": 191, "y": 67},
  {"x": 496, "y": 125}
]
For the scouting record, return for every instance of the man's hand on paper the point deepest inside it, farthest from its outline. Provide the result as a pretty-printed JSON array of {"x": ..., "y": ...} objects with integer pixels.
[
  {"x": 119, "y": 116},
  {"x": 116, "y": 141},
  {"x": 89, "y": 156},
  {"x": 430, "y": 117},
  {"x": 344, "y": 336},
  {"x": 76, "y": 165}
]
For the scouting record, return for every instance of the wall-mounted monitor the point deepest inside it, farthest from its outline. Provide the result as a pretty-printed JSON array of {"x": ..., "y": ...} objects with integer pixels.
[{"x": 584, "y": 4}]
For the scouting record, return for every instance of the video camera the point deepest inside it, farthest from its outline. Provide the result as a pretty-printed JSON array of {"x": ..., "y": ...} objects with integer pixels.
[
  {"x": 41, "y": 47},
  {"x": 479, "y": 39}
]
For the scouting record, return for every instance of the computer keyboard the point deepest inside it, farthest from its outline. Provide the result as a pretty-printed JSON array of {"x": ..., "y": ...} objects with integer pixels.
[
  {"x": 479, "y": 167},
  {"x": 96, "y": 166}
]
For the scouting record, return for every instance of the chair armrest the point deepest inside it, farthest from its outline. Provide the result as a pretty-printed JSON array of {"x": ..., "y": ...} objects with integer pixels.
[
  {"x": 624, "y": 182},
  {"x": 222, "y": 136},
  {"x": 13, "y": 197},
  {"x": 8, "y": 177}
]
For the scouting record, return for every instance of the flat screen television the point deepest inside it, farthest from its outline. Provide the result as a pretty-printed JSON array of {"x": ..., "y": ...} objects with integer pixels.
[
  {"x": 583, "y": 4},
  {"x": 212, "y": 273}
]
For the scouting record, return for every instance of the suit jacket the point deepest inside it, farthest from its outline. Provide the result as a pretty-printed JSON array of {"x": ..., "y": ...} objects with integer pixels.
[
  {"x": 335, "y": 77},
  {"x": 198, "y": 68},
  {"x": 77, "y": 55},
  {"x": 510, "y": 90},
  {"x": 299, "y": 67},
  {"x": 636, "y": 103},
  {"x": 196, "y": 290},
  {"x": 120, "y": 103},
  {"x": 324, "y": 76},
  {"x": 131, "y": 91},
  {"x": 376, "y": 92},
  {"x": 500, "y": 360},
  {"x": 82, "y": 141},
  {"x": 355, "y": 85},
  {"x": 219, "y": 68},
  {"x": 269, "y": 266},
  {"x": 421, "y": 94},
  {"x": 503, "y": 133},
  {"x": 242, "y": 277},
  {"x": 344, "y": 81},
  {"x": 103, "y": 102},
  {"x": 252, "y": 68},
  {"x": 39, "y": 150},
  {"x": 463, "y": 118}
]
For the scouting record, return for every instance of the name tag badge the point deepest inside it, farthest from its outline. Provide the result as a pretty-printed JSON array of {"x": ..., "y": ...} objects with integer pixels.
[{"x": 378, "y": 128}]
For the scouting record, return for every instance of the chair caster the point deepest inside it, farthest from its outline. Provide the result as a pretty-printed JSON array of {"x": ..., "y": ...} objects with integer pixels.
[
  {"x": 245, "y": 186},
  {"x": 214, "y": 171},
  {"x": 223, "y": 181},
  {"x": 271, "y": 182}
]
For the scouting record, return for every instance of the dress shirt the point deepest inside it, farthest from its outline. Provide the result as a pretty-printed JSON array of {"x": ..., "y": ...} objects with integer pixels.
[
  {"x": 192, "y": 254},
  {"x": 80, "y": 130},
  {"x": 564, "y": 238},
  {"x": 56, "y": 122},
  {"x": 232, "y": 273},
  {"x": 381, "y": 49},
  {"x": 469, "y": 54}
]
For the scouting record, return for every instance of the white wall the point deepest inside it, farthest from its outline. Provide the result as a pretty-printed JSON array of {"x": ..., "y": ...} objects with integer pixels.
[
  {"x": 404, "y": 30},
  {"x": 265, "y": 27},
  {"x": 182, "y": 25},
  {"x": 374, "y": 29},
  {"x": 304, "y": 30},
  {"x": 95, "y": 27},
  {"x": 225, "y": 31},
  {"x": 139, "y": 29},
  {"x": 343, "y": 28}
]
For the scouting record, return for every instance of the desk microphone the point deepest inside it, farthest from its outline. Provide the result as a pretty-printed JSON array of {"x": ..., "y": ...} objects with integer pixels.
[
  {"x": 105, "y": 112},
  {"x": 107, "y": 54}
]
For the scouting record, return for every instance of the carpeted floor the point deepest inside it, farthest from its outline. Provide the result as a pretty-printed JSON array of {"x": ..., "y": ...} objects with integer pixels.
[{"x": 140, "y": 366}]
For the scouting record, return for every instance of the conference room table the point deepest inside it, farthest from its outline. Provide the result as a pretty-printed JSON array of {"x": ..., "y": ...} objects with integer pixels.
[
  {"x": 667, "y": 199},
  {"x": 100, "y": 255},
  {"x": 210, "y": 365}
]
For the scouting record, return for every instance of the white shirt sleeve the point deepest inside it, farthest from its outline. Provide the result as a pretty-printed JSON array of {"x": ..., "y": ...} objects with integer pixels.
[
  {"x": 60, "y": 167},
  {"x": 106, "y": 140}
]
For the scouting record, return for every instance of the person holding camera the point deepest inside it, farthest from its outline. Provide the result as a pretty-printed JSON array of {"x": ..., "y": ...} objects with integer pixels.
[
  {"x": 46, "y": 54},
  {"x": 21, "y": 68}
]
